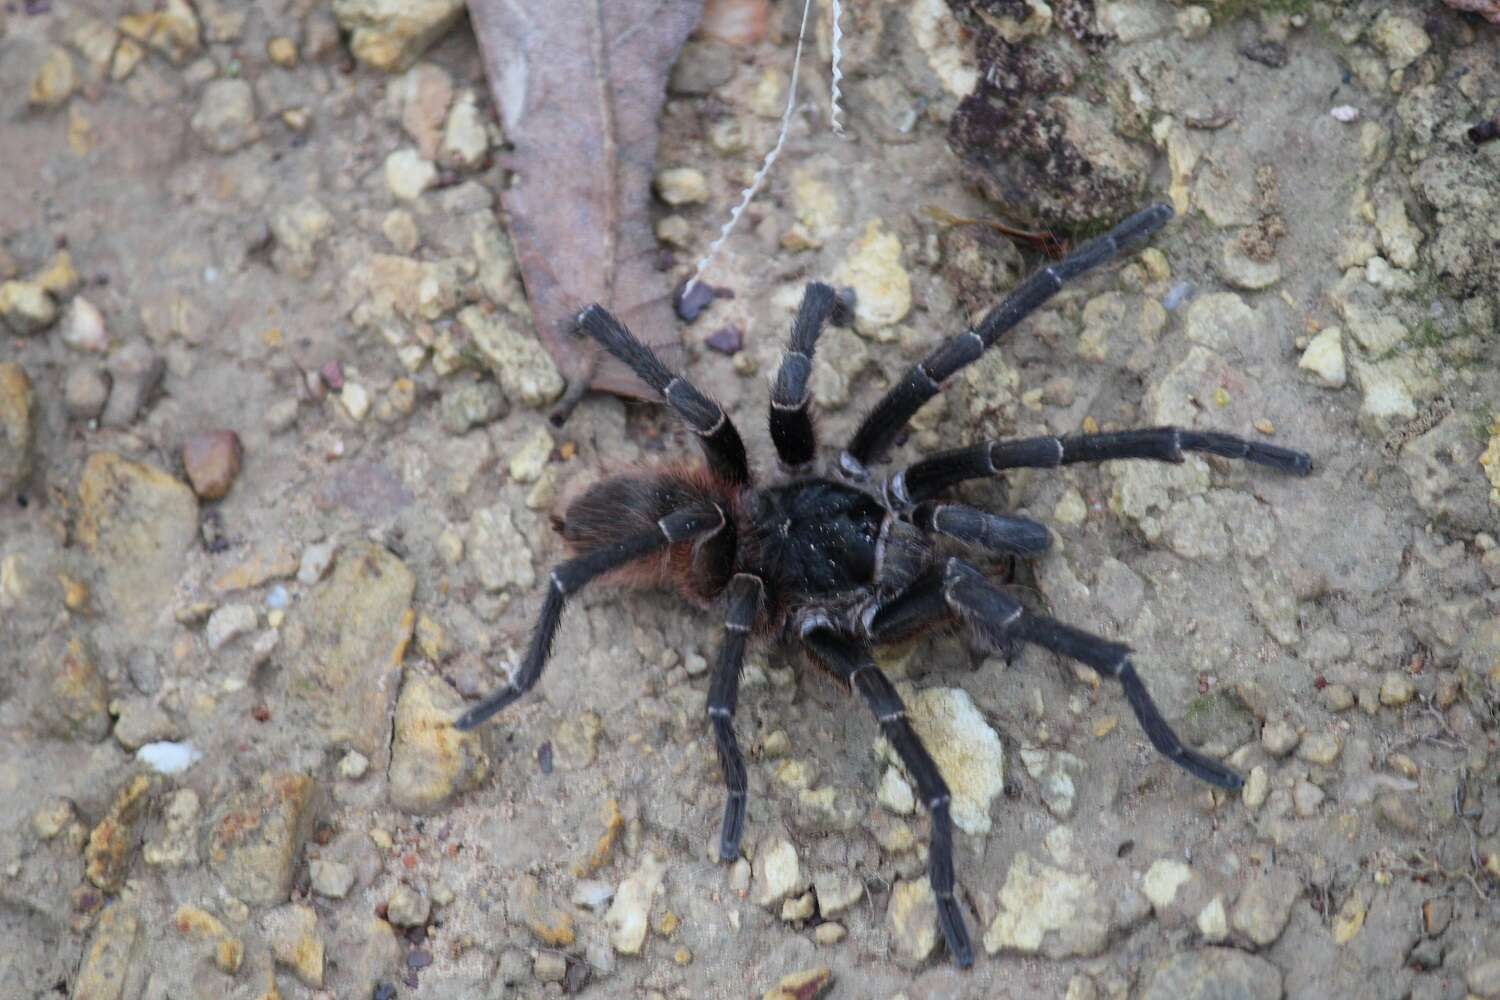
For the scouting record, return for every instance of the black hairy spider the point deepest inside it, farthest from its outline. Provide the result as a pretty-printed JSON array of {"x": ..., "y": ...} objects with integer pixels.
[{"x": 839, "y": 563}]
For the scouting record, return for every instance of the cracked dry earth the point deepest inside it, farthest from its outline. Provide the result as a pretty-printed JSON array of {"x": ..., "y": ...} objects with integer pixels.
[{"x": 229, "y": 659}]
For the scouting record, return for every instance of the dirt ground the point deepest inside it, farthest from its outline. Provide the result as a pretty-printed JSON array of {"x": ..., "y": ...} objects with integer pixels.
[{"x": 214, "y": 234}]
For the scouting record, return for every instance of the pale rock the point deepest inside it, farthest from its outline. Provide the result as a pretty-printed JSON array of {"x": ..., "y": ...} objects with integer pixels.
[
  {"x": 390, "y": 35},
  {"x": 407, "y": 174},
  {"x": 881, "y": 285},
  {"x": 628, "y": 918},
  {"x": 530, "y": 457},
  {"x": 1045, "y": 910},
  {"x": 225, "y": 119},
  {"x": 466, "y": 141},
  {"x": 1162, "y": 881},
  {"x": 1324, "y": 358},
  {"x": 777, "y": 872},
  {"x": 682, "y": 186},
  {"x": 83, "y": 327},
  {"x": 499, "y": 552},
  {"x": 912, "y": 918}
]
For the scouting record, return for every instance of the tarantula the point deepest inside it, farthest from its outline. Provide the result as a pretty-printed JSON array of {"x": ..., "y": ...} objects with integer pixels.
[{"x": 838, "y": 563}]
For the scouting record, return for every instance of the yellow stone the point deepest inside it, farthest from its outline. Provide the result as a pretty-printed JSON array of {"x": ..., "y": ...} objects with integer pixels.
[
  {"x": 75, "y": 593},
  {"x": 1490, "y": 462},
  {"x": 200, "y": 925},
  {"x": 1349, "y": 920},
  {"x": 614, "y": 825},
  {"x": 61, "y": 277},
  {"x": 55, "y": 81},
  {"x": 282, "y": 51},
  {"x": 107, "y": 855}
]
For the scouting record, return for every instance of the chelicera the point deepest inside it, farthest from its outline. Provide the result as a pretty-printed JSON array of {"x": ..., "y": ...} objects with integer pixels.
[{"x": 839, "y": 563}]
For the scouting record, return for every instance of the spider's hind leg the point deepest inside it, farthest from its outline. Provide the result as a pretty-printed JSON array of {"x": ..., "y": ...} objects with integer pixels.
[
  {"x": 850, "y": 661},
  {"x": 956, "y": 588}
]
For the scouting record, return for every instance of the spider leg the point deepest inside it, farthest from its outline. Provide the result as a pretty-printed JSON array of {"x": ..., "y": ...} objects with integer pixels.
[
  {"x": 850, "y": 661},
  {"x": 999, "y": 533},
  {"x": 1163, "y": 444},
  {"x": 882, "y": 424},
  {"x": 791, "y": 426},
  {"x": 745, "y": 594},
  {"x": 957, "y": 588},
  {"x": 567, "y": 578},
  {"x": 707, "y": 419}
]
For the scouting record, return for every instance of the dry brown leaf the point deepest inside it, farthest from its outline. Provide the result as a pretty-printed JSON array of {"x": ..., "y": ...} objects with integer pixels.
[{"x": 580, "y": 85}]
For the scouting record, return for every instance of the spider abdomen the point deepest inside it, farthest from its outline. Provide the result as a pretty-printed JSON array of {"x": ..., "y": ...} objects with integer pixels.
[{"x": 620, "y": 507}]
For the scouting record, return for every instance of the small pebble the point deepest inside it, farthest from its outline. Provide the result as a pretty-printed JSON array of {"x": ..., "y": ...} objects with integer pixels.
[
  {"x": 85, "y": 391},
  {"x": 550, "y": 967},
  {"x": 1396, "y": 689},
  {"x": 282, "y": 51},
  {"x": 228, "y": 623},
  {"x": 726, "y": 340},
  {"x": 315, "y": 562},
  {"x": 405, "y": 907},
  {"x": 356, "y": 400},
  {"x": 689, "y": 303},
  {"x": 829, "y": 933},
  {"x": 212, "y": 460},
  {"x": 82, "y": 327},
  {"x": 682, "y": 186},
  {"x": 1319, "y": 748},
  {"x": 333, "y": 879},
  {"x": 1345, "y": 113},
  {"x": 407, "y": 174},
  {"x": 353, "y": 765}
]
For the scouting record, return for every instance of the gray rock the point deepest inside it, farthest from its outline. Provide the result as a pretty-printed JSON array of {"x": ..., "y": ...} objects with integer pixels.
[
  {"x": 1262, "y": 911},
  {"x": 298, "y": 229},
  {"x": 135, "y": 373},
  {"x": 524, "y": 370},
  {"x": 228, "y": 623},
  {"x": 1446, "y": 477},
  {"x": 1214, "y": 974},
  {"x": 471, "y": 404},
  {"x": 499, "y": 552},
  {"x": 1242, "y": 271},
  {"x": 225, "y": 119},
  {"x": 333, "y": 879},
  {"x": 85, "y": 391},
  {"x": 142, "y": 721}
]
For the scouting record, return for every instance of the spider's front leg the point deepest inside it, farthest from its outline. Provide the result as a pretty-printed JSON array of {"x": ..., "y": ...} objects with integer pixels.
[
  {"x": 685, "y": 525},
  {"x": 957, "y": 589}
]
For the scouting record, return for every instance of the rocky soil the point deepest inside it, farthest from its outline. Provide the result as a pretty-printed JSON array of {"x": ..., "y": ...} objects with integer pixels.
[{"x": 276, "y": 475}]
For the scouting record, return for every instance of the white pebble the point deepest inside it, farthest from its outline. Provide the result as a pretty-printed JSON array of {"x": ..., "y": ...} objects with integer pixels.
[
  {"x": 1345, "y": 113},
  {"x": 168, "y": 758}
]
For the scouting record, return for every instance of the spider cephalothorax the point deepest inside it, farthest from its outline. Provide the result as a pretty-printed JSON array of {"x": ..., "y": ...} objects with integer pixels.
[{"x": 838, "y": 564}]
